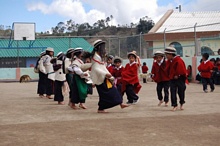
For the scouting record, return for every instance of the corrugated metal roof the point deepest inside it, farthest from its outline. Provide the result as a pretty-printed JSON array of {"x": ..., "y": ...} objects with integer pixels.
[
  {"x": 179, "y": 20},
  {"x": 59, "y": 44}
]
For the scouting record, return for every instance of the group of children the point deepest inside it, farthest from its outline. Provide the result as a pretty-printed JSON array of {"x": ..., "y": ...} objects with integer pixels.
[
  {"x": 169, "y": 73},
  {"x": 83, "y": 71}
]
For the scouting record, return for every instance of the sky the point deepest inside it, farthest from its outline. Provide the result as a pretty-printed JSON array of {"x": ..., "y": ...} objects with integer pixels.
[{"x": 48, "y": 13}]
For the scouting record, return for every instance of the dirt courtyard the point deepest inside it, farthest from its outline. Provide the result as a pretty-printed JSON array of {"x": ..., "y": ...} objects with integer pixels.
[{"x": 27, "y": 120}]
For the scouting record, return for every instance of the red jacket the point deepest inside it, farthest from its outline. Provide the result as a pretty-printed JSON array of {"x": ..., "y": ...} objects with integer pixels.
[
  {"x": 144, "y": 69},
  {"x": 205, "y": 69},
  {"x": 160, "y": 72},
  {"x": 110, "y": 68},
  {"x": 117, "y": 74},
  {"x": 130, "y": 76},
  {"x": 177, "y": 68}
]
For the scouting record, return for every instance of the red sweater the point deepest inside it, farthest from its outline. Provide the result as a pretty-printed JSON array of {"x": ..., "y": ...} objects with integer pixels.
[
  {"x": 205, "y": 69},
  {"x": 144, "y": 69},
  {"x": 117, "y": 74},
  {"x": 160, "y": 72},
  {"x": 130, "y": 76},
  {"x": 177, "y": 67}
]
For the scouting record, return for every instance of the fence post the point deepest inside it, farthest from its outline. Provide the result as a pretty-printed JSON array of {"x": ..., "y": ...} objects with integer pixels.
[
  {"x": 119, "y": 47},
  {"x": 140, "y": 44},
  {"x": 164, "y": 38},
  {"x": 196, "y": 49}
]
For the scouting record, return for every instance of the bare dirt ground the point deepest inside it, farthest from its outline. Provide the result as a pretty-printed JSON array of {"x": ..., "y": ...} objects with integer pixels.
[{"x": 26, "y": 119}]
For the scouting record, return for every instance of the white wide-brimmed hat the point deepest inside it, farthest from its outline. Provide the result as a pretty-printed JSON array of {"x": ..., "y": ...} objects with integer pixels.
[
  {"x": 98, "y": 42},
  {"x": 170, "y": 50},
  {"x": 50, "y": 49},
  {"x": 77, "y": 50},
  {"x": 132, "y": 53},
  {"x": 158, "y": 53},
  {"x": 117, "y": 59}
]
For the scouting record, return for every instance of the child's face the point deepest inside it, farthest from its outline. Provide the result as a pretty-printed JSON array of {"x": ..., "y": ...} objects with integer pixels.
[
  {"x": 131, "y": 58},
  {"x": 118, "y": 64},
  {"x": 51, "y": 53},
  {"x": 158, "y": 58},
  {"x": 169, "y": 56},
  {"x": 109, "y": 61}
]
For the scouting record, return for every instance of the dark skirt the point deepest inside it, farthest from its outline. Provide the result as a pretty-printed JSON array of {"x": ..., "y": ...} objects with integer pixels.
[
  {"x": 41, "y": 89},
  {"x": 58, "y": 95},
  {"x": 79, "y": 90},
  {"x": 49, "y": 86},
  {"x": 108, "y": 97},
  {"x": 69, "y": 79}
]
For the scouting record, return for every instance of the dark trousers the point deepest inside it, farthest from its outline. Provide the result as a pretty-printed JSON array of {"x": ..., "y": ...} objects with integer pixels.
[
  {"x": 177, "y": 86},
  {"x": 49, "y": 87},
  {"x": 58, "y": 95},
  {"x": 206, "y": 81},
  {"x": 165, "y": 87},
  {"x": 131, "y": 95},
  {"x": 41, "y": 89}
]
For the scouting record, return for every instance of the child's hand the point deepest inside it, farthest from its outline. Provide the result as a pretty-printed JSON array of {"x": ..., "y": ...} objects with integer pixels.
[{"x": 108, "y": 76}]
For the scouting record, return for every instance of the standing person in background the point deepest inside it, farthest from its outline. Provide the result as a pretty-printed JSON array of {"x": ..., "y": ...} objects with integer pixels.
[
  {"x": 189, "y": 73},
  {"x": 144, "y": 71},
  {"x": 49, "y": 71},
  {"x": 60, "y": 78},
  {"x": 178, "y": 76},
  {"x": 217, "y": 71},
  {"x": 130, "y": 81},
  {"x": 110, "y": 66},
  {"x": 160, "y": 76},
  {"x": 102, "y": 78},
  {"x": 206, "y": 69},
  {"x": 41, "y": 88}
]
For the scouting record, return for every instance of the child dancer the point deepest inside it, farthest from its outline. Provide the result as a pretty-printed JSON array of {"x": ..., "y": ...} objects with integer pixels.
[
  {"x": 116, "y": 73},
  {"x": 49, "y": 71},
  {"x": 160, "y": 76},
  {"x": 206, "y": 69},
  {"x": 130, "y": 81},
  {"x": 79, "y": 86},
  {"x": 60, "y": 78},
  {"x": 108, "y": 94},
  {"x": 177, "y": 75}
]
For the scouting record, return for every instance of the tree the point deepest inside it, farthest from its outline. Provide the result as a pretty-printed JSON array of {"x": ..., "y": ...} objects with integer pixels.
[{"x": 144, "y": 26}]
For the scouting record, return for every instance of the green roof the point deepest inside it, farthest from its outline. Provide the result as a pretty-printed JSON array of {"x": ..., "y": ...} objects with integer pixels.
[{"x": 34, "y": 48}]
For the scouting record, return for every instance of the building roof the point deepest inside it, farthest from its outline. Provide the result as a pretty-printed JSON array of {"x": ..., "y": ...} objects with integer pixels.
[
  {"x": 174, "y": 22},
  {"x": 27, "y": 49}
]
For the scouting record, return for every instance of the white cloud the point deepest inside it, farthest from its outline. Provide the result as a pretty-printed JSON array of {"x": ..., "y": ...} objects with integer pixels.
[{"x": 123, "y": 11}]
